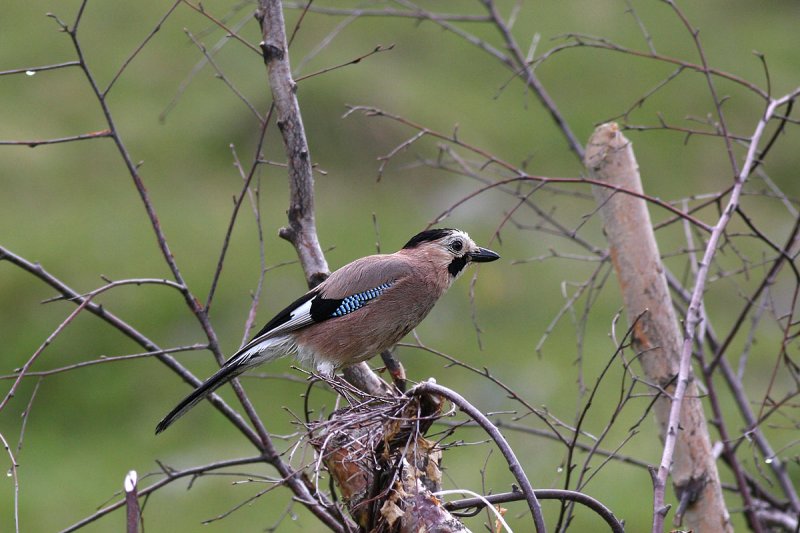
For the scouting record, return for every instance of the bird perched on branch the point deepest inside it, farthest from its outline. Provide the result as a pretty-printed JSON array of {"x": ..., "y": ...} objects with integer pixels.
[{"x": 360, "y": 310}]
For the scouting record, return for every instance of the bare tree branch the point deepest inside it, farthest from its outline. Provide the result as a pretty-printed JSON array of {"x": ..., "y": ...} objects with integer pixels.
[
  {"x": 542, "y": 494},
  {"x": 132, "y": 333},
  {"x": 634, "y": 252},
  {"x": 429, "y": 387},
  {"x": 302, "y": 229}
]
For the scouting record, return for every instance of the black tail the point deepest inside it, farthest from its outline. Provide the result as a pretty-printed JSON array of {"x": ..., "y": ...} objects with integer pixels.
[{"x": 220, "y": 377}]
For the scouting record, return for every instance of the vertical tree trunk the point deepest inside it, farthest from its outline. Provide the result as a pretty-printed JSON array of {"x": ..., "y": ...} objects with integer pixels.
[
  {"x": 302, "y": 229},
  {"x": 656, "y": 336}
]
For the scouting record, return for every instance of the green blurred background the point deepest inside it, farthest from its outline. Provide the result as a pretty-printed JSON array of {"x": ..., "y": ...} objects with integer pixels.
[{"x": 73, "y": 208}]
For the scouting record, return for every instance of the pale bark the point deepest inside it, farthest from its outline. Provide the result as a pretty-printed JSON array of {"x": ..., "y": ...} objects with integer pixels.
[
  {"x": 302, "y": 228},
  {"x": 657, "y": 337},
  {"x": 302, "y": 231}
]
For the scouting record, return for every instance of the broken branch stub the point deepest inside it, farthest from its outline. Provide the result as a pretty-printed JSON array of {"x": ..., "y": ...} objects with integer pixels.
[
  {"x": 386, "y": 470},
  {"x": 657, "y": 337}
]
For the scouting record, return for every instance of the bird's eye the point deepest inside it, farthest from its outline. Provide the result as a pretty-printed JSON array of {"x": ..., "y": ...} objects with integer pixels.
[{"x": 456, "y": 245}]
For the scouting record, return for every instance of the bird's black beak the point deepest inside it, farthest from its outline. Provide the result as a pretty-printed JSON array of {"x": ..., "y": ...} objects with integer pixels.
[{"x": 483, "y": 256}]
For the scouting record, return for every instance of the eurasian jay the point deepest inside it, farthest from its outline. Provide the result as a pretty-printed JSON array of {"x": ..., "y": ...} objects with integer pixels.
[{"x": 360, "y": 310}]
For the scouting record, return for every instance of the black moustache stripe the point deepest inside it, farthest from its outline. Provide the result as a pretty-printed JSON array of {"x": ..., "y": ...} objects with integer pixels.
[{"x": 457, "y": 265}]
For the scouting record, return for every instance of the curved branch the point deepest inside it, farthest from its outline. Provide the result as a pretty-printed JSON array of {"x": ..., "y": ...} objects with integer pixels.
[
  {"x": 542, "y": 494},
  {"x": 513, "y": 463}
]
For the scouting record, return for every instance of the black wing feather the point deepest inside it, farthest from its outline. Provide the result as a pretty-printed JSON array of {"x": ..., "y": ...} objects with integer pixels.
[
  {"x": 321, "y": 309},
  {"x": 285, "y": 315},
  {"x": 219, "y": 378}
]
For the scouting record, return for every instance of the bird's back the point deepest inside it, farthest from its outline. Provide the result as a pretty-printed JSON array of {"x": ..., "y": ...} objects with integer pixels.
[{"x": 410, "y": 294}]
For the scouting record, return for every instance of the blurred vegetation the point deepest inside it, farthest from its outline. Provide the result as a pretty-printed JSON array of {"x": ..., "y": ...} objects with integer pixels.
[{"x": 72, "y": 207}]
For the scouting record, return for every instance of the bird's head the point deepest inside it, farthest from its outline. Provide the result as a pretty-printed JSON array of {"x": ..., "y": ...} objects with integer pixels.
[{"x": 449, "y": 248}]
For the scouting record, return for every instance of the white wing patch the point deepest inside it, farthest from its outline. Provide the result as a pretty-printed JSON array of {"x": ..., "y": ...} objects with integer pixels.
[
  {"x": 275, "y": 339},
  {"x": 298, "y": 318},
  {"x": 267, "y": 349}
]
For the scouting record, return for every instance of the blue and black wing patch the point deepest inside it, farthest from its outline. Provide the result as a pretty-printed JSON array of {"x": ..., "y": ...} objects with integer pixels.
[
  {"x": 357, "y": 301},
  {"x": 312, "y": 308},
  {"x": 326, "y": 308}
]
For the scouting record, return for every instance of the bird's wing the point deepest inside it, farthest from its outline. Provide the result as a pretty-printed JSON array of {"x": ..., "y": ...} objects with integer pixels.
[
  {"x": 343, "y": 292},
  {"x": 364, "y": 274},
  {"x": 295, "y": 316}
]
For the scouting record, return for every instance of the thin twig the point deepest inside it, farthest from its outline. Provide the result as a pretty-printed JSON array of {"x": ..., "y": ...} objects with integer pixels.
[
  {"x": 13, "y": 472},
  {"x": 104, "y": 360},
  {"x": 170, "y": 476},
  {"x": 131, "y": 332},
  {"x": 237, "y": 204},
  {"x": 30, "y": 71},
  {"x": 21, "y": 374},
  {"x": 519, "y": 174},
  {"x": 694, "y": 311},
  {"x": 141, "y": 46},
  {"x": 58, "y": 140}
]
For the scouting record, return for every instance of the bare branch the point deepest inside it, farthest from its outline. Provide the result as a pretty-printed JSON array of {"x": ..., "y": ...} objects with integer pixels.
[
  {"x": 302, "y": 230},
  {"x": 30, "y": 71},
  {"x": 141, "y": 46},
  {"x": 520, "y": 175},
  {"x": 104, "y": 360},
  {"x": 429, "y": 387},
  {"x": 129, "y": 331},
  {"x": 542, "y": 494},
  {"x": 634, "y": 252},
  {"x": 169, "y": 476},
  {"x": 13, "y": 472},
  {"x": 72, "y": 138}
]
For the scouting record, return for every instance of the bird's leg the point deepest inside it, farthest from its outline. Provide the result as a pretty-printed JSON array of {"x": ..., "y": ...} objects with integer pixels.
[{"x": 395, "y": 369}]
